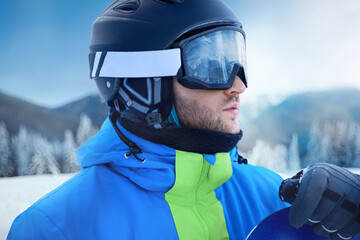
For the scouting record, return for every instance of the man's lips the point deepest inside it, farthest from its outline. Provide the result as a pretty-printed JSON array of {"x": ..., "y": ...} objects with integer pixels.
[
  {"x": 233, "y": 109},
  {"x": 234, "y": 106}
]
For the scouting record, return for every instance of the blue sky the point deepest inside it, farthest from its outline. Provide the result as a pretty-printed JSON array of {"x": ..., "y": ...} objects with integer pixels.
[{"x": 293, "y": 46}]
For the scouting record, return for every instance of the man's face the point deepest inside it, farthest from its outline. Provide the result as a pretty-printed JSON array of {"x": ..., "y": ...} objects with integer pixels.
[{"x": 216, "y": 110}]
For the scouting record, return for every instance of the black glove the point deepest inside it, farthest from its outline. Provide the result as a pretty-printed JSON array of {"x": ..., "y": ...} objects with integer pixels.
[{"x": 327, "y": 197}]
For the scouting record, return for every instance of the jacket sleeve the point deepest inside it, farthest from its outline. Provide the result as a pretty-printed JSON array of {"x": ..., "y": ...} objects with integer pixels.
[{"x": 34, "y": 224}]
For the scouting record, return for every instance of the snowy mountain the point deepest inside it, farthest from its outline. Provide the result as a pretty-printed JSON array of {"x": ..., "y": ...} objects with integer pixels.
[
  {"x": 50, "y": 123},
  {"x": 15, "y": 112},
  {"x": 298, "y": 113},
  {"x": 89, "y": 105}
]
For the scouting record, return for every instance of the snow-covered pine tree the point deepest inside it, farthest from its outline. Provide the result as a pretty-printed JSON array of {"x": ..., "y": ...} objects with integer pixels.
[
  {"x": 259, "y": 152},
  {"x": 313, "y": 146},
  {"x": 279, "y": 156},
  {"x": 6, "y": 163},
  {"x": 23, "y": 150},
  {"x": 43, "y": 161},
  {"x": 264, "y": 155},
  {"x": 327, "y": 151},
  {"x": 341, "y": 144},
  {"x": 350, "y": 145},
  {"x": 294, "y": 158},
  {"x": 85, "y": 129},
  {"x": 356, "y": 163},
  {"x": 335, "y": 143},
  {"x": 69, "y": 160},
  {"x": 58, "y": 152}
]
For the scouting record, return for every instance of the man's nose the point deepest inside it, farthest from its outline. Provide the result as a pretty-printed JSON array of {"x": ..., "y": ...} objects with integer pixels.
[{"x": 237, "y": 88}]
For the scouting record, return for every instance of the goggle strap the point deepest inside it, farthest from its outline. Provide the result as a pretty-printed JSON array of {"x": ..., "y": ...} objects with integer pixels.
[
  {"x": 96, "y": 61},
  {"x": 141, "y": 64}
]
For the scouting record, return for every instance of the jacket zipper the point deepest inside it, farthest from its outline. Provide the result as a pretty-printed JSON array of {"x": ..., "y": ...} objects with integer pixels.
[{"x": 204, "y": 171}]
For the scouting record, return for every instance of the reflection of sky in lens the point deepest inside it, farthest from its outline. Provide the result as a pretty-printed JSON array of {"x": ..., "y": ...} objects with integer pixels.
[
  {"x": 208, "y": 57},
  {"x": 292, "y": 46}
]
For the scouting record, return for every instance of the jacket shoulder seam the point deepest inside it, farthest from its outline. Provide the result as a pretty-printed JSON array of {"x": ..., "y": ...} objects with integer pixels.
[{"x": 51, "y": 220}]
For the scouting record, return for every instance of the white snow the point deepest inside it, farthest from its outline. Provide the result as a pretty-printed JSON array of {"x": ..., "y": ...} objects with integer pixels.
[{"x": 19, "y": 193}]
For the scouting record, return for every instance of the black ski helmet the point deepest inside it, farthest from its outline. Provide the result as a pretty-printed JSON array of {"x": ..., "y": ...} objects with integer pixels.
[{"x": 149, "y": 25}]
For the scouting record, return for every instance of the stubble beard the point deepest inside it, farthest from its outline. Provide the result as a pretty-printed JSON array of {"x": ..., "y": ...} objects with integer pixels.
[{"x": 195, "y": 115}]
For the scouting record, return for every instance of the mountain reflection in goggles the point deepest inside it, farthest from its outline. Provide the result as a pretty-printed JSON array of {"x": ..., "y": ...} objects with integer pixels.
[{"x": 209, "y": 60}]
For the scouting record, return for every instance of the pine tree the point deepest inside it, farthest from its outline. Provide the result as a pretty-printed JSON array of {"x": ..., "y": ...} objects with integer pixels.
[
  {"x": 313, "y": 146},
  {"x": 325, "y": 151},
  {"x": 279, "y": 156},
  {"x": 23, "y": 150},
  {"x": 294, "y": 158},
  {"x": 341, "y": 144},
  {"x": 328, "y": 141},
  {"x": 43, "y": 161},
  {"x": 259, "y": 151},
  {"x": 85, "y": 129},
  {"x": 264, "y": 155},
  {"x": 350, "y": 145},
  {"x": 69, "y": 161},
  {"x": 58, "y": 153},
  {"x": 6, "y": 165},
  {"x": 356, "y": 162}
]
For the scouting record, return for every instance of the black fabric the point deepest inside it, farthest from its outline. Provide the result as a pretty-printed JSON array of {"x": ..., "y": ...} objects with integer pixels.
[
  {"x": 241, "y": 160},
  {"x": 140, "y": 84},
  {"x": 182, "y": 138},
  {"x": 349, "y": 206},
  {"x": 333, "y": 196}
]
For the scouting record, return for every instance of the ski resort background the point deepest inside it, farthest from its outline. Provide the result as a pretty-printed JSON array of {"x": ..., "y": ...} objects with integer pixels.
[{"x": 29, "y": 153}]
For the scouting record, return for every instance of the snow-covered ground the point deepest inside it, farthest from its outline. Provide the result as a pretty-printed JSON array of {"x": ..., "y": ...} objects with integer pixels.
[{"x": 19, "y": 193}]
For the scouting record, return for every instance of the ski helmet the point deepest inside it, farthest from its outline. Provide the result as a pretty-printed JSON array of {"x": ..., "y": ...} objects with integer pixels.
[{"x": 138, "y": 45}]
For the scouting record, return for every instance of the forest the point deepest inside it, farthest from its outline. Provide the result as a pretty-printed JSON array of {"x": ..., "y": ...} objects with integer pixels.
[{"x": 29, "y": 153}]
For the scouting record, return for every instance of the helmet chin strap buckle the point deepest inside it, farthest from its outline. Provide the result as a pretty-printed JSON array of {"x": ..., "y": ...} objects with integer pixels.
[{"x": 154, "y": 119}]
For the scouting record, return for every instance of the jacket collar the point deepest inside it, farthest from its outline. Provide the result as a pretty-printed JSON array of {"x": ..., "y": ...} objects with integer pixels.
[{"x": 157, "y": 173}]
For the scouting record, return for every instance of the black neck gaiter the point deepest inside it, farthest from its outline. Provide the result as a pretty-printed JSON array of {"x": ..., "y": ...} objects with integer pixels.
[{"x": 183, "y": 138}]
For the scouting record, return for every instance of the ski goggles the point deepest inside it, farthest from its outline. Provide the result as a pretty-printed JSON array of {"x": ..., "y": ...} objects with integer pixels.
[
  {"x": 208, "y": 60},
  {"x": 213, "y": 59}
]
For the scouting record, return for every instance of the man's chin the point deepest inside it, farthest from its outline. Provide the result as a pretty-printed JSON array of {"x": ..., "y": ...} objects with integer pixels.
[
  {"x": 231, "y": 129},
  {"x": 234, "y": 131},
  {"x": 231, "y": 126}
]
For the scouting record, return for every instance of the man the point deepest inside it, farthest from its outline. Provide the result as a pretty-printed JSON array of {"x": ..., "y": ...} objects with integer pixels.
[{"x": 165, "y": 164}]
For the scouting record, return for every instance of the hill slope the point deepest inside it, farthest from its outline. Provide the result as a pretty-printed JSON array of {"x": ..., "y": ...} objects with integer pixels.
[
  {"x": 50, "y": 123},
  {"x": 16, "y": 112},
  {"x": 297, "y": 113},
  {"x": 89, "y": 105}
]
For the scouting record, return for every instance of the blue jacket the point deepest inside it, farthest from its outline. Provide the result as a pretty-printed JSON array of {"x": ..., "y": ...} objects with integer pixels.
[{"x": 172, "y": 195}]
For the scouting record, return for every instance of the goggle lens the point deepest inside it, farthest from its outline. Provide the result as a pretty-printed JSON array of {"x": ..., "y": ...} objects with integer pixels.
[{"x": 211, "y": 58}]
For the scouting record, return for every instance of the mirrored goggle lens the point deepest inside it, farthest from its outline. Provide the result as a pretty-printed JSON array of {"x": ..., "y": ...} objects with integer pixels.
[{"x": 211, "y": 58}]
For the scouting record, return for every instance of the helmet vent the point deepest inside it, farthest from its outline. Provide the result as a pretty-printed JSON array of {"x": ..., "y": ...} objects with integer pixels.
[{"x": 128, "y": 7}]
